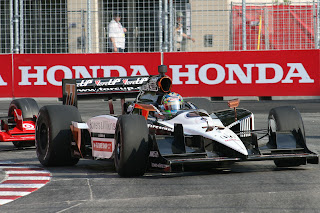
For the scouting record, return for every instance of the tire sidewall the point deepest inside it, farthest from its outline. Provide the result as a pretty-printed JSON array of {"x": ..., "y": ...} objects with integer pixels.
[
  {"x": 43, "y": 149},
  {"x": 131, "y": 142},
  {"x": 54, "y": 136}
]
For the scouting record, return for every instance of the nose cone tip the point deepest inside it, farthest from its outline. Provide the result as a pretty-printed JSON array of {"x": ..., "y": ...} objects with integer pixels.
[{"x": 243, "y": 151}]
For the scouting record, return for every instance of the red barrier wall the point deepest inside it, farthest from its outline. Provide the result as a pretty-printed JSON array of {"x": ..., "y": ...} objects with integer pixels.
[
  {"x": 249, "y": 73},
  {"x": 6, "y": 89}
]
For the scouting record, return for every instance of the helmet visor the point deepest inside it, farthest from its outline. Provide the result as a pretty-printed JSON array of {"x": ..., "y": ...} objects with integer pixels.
[{"x": 173, "y": 106}]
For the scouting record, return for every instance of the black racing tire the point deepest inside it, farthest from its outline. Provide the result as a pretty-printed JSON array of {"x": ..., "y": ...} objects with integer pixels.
[
  {"x": 131, "y": 146},
  {"x": 201, "y": 103},
  {"x": 29, "y": 109},
  {"x": 54, "y": 136},
  {"x": 285, "y": 119}
]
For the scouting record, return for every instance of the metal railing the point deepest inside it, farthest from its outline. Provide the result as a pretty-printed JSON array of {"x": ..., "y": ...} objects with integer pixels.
[{"x": 82, "y": 26}]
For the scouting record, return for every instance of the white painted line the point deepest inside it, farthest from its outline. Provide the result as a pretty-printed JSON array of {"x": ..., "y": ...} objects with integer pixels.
[
  {"x": 27, "y": 172},
  {"x": 4, "y": 201},
  {"x": 28, "y": 178},
  {"x": 9, "y": 185},
  {"x": 9, "y": 193},
  {"x": 19, "y": 166}
]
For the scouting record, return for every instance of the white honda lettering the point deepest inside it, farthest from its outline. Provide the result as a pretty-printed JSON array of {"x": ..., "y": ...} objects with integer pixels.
[
  {"x": 39, "y": 75},
  {"x": 107, "y": 70},
  {"x": 262, "y": 68},
  {"x": 236, "y": 69},
  {"x": 138, "y": 69},
  {"x": 191, "y": 74},
  {"x": 81, "y": 71},
  {"x": 2, "y": 82},
  {"x": 203, "y": 74},
  {"x": 52, "y": 71},
  {"x": 95, "y": 71},
  {"x": 301, "y": 73}
]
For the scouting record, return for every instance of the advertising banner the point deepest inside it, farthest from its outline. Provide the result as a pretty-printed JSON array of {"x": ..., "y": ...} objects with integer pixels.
[
  {"x": 245, "y": 73},
  {"x": 6, "y": 89},
  {"x": 40, "y": 75},
  {"x": 204, "y": 74}
]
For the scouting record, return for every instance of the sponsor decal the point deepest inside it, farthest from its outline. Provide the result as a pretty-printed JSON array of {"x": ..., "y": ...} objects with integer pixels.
[
  {"x": 103, "y": 146},
  {"x": 159, "y": 165},
  {"x": 28, "y": 126},
  {"x": 151, "y": 126},
  {"x": 40, "y": 72},
  {"x": 108, "y": 89},
  {"x": 110, "y": 82},
  {"x": 235, "y": 74},
  {"x": 227, "y": 138},
  {"x": 234, "y": 71},
  {"x": 101, "y": 125},
  {"x": 84, "y": 83},
  {"x": 138, "y": 81}
]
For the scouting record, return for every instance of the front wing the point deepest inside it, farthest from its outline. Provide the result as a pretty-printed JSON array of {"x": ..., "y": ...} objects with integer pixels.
[{"x": 184, "y": 162}]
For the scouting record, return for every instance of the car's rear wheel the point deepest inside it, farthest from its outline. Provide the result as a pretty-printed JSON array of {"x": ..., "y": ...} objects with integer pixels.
[
  {"x": 286, "y": 119},
  {"x": 53, "y": 135},
  {"x": 29, "y": 109},
  {"x": 131, "y": 149}
]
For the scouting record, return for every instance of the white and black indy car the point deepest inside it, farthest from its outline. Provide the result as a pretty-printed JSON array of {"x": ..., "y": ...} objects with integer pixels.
[{"x": 145, "y": 138}]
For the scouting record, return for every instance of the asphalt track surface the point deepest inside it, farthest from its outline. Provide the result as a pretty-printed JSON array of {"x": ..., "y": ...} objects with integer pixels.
[{"x": 93, "y": 186}]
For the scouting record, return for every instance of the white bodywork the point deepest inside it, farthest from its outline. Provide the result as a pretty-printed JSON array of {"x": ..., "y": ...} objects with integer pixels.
[
  {"x": 198, "y": 126},
  {"x": 103, "y": 129}
]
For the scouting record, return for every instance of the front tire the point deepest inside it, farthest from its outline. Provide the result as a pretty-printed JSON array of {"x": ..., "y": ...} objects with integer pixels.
[
  {"x": 131, "y": 149},
  {"x": 29, "y": 109},
  {"x": 53, "y": 135}
]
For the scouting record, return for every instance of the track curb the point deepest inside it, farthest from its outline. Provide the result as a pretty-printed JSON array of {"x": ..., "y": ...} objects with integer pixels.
[{"x": 21, "y": 180}]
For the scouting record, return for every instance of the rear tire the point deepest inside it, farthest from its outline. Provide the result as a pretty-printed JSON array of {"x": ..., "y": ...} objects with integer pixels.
[
  {"x": 131, "y": 148},
  {"x": 53, "y": 135},
  {"x": 29, "y": 109},
  {"x": 286, "y": 119}
]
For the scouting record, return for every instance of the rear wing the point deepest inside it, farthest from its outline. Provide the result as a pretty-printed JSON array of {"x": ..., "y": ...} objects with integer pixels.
[
  {"x": 102, "y": 88},
  {"x": 113, "y": 87}
]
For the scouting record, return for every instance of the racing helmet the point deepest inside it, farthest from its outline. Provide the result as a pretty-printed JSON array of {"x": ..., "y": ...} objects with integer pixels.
[{"x": 172, "y": 102}]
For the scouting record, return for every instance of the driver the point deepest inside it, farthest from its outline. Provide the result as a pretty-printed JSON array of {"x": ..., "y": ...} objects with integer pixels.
[{"x": 172, "y": 103}]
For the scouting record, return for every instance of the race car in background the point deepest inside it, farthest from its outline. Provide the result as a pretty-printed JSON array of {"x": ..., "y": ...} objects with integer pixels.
[
  {"x": 145, "y": 138},
  {"x": 19, "y": 126}
]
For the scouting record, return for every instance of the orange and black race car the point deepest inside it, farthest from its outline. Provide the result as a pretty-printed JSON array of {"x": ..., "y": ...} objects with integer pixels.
[{"x": 19, "y": 126}]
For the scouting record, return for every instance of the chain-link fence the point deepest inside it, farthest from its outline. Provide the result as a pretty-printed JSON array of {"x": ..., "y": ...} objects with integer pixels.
[{"x": 97, "y": 26}]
